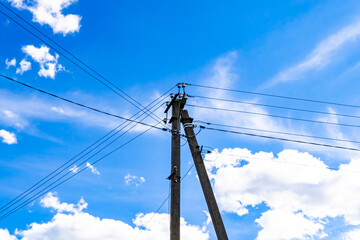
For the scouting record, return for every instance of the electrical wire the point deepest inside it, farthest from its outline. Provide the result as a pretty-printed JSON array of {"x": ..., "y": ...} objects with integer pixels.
[
  {"x": 73, "y": 62},
  {"x": 275, "y": 116},
  {"x": 281, "y": 139},
  {"x": 73, "y": 160},
  {"x": 28, "y": 192},
  {"x": 275, "y": 106},
  {"x": 272, "y": 160},
  {"x": 81, "y": 105},
  {"x": 51, "y": 187},
  {"x": 275, "y": 96},
  {"x": 276, "y": 132}
]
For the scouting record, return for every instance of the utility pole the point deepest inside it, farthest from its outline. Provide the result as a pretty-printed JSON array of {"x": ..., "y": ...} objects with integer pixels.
[
  {"x": 203, "y": 176},
  {"x": 175, "y": 169}
]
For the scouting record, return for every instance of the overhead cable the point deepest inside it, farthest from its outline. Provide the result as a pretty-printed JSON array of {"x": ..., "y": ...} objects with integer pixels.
[
  {"x": 272, "y": 160},
  {"x": 51, "y": 187},
  {"x": 276, "y": 132},
  {"x": 81, "y": 105},
  {"x": 275, "y": 116},
  {"x": 281, "y": 139},
  {"x": 274, "y": 106},
  {"x": 119, "y": 92},
  {"x": 274, "y": 95},
  {"x": 72, "y": 161}
]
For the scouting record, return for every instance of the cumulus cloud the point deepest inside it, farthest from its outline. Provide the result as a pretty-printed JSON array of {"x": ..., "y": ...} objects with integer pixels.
[
  {"x": 5, "y": 235},
  {"x": 129, "y": 179},
  {"x": 48, "y": 63},
  {"x": 24, "y": 66},
  {"x": 71, "y": 222},
  {"x": 297, "y": 186},
  {"x": 93, "y": 169},
  {"x": 52, "y": 201},
  {"x": 51, "y": 13},
  {"x": 321, "y": 55},
  {"x": 352, "y": 235},
  {"x": 288, "y": 225},
  {"x": 10, "y": 63},
  {"x": 8, "y": 137}
]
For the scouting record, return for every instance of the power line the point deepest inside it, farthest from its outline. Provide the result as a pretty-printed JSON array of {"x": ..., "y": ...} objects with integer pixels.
[
  {"x": 81, "y": 105},
  {"x": 280, "y": 139},
  {"x": 70, "y": 162},
  {"x": 272, "y": 160},
  {"x": 276, "y": 116},
  {"x": 274, "y": 106},
  {"x": 273, "y": 95},
  {"x": 51, "y": 187},
  {"x": 82, "y": 68},
  {"x": 277, "y": 132}
]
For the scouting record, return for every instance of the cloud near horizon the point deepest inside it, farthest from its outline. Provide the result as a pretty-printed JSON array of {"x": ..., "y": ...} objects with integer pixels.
[
  {"x": 71, "y": 222},
  {"x": 303, "y": 195}
]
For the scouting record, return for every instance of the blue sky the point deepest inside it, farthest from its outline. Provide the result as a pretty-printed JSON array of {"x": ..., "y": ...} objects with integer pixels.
[{"x": 266, "y": 189}]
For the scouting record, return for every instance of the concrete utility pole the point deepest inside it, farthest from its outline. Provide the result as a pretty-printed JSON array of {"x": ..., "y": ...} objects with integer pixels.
[
  {"x": 175, "y": 170},
  {"x": 203, "y": 177}
]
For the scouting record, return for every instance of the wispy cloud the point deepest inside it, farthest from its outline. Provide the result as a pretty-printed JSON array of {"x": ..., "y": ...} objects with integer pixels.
[
  {"x": 129, "y": 179},
  {"x": 74, "y": 169},
  {"x": 10, "y": 63},
  {"x": 321, "y": 55},
  {"x": 223, "y": 73},
  {"x": 93, "y": 169}
]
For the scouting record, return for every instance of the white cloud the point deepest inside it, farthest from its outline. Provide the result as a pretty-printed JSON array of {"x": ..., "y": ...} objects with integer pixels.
[
  {"x": 5, "y": 235},
  {"x": 279, "y": 225},
  {"x": 352, "y": 235},
  {"x": 322, "y": 55},
  {"x": 129, "y": 179},
  {"x": 24, "y": 66},
  {"x": 19, "y": 110},
  {"x": 10, "y": 118},
  {"x": 93, "y": 169},
  {"x": 48, "y": 63},
  {"x": 296, "y": 185},
  {"x": 10, "y": 63},
  {"x": 50, "y": 13},
  {"x": 223, "y": 74},
  {"x": 8, "y": 137},
  {"x": 74, "y": 169},
  {"x": 52, "y": 201},
  {"x": 58, "y": 110},
  {"x": 70, "y": 222}
]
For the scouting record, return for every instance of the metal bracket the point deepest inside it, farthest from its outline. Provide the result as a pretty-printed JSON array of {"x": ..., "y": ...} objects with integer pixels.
[{"x": 171, "y": 103}]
